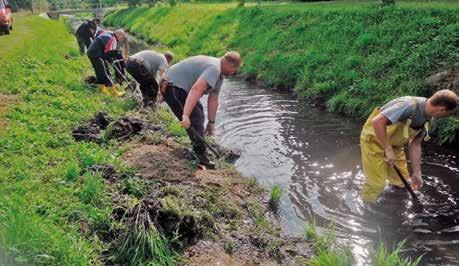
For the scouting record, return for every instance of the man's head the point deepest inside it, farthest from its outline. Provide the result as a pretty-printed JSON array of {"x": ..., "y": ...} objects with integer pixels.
[
  {"x": 96, "y": 21},
  {"x": 230, "y": 63},
  {"x": 442, "y": 104},
  {"x": 169, "y": 56},
  {"x": 120, "y": 35}
]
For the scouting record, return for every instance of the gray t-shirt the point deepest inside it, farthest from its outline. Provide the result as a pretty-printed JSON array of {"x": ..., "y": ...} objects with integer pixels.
[
  {"x": 152, "y": 61},
  {"x": 402, "y": 108},
  {"x": 186, "y": 72}
]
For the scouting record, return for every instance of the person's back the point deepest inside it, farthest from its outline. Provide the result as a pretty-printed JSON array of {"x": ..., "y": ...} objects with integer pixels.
[
  {"x": 153, "y": 61},
  {"x": 185, "y": 73},
  {"x": 103, "y": 43},
  {"x": 86, "y": 29}
]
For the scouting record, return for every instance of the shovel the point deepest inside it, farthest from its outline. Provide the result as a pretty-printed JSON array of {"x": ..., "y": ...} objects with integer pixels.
[{"x": 407, "y": 186}]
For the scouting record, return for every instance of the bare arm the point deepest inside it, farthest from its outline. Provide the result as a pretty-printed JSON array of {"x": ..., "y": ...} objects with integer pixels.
[
  {"x": 379, "y": 124},
  {"x": 194, "y": 95},
  {"x": 414, "y": 150},
  {"x": 212, "y": 106}
]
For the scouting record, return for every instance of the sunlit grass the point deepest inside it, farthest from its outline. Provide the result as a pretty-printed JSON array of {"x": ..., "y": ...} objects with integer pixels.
[{"x": 349, "y": 56}]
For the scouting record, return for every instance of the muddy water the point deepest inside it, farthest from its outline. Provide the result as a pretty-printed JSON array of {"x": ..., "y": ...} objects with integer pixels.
[{"x": 315, "y": 157}]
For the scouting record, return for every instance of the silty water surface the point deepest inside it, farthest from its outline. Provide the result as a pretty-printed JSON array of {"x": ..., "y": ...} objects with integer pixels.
[{"x": 315, "y": 157}]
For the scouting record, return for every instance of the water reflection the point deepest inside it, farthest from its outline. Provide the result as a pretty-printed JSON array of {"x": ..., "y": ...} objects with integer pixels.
[{"x": 315, "y": 156}]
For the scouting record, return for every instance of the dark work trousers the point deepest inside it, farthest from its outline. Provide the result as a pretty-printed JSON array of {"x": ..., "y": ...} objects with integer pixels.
[
  {"x": 119, "y": 67},
  {"x": 101, "y": 69},
  {"x": 175, "y": 98},
  {"x": 83, "y": 42},
  {"x": 148, "y": 84}
]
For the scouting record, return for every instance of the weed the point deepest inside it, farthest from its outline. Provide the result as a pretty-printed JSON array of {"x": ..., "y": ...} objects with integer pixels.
[
  {"x": 275, "y": 196},
  {"x": 92, "y": 189}
]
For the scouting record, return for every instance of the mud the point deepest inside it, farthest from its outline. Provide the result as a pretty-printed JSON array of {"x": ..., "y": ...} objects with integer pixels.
[
  {"x": 215, "y": 212},
  {"x": 159, "y": 162},
  {"x": 448, "y": 79},
  {"x": 107, "y": 171},
  {"x": 102, "y": 126},
  {"x": 208, "y": 216},
  {"x": 125, "y": 128},
  {"x": 89, "y": 132}
]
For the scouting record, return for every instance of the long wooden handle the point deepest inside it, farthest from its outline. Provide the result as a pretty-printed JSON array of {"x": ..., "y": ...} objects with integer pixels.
[{"x": 407, "y": 186}]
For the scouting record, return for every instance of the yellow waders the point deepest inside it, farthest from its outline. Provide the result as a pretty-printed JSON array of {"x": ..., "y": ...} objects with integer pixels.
[{"x": 375, "y": 167}]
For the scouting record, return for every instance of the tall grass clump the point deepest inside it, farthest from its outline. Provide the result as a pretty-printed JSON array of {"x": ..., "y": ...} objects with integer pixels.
[
  {"x": 349, "y": 57},
  {"x": 329, "y": 253},
  {"x": 142, "y": 242},
  {"x": 383, "y": 257},
  {"x": 275, "y": 196}
]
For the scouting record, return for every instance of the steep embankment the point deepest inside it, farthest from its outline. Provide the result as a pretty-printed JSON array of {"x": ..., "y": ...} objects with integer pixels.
[{"x": 349, "y": 57}]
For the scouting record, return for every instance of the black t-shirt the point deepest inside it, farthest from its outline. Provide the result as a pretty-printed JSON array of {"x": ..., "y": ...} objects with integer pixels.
[{"x": 86, "y": 29}]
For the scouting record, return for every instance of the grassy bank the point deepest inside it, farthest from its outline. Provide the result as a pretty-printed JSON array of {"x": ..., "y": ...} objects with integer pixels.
[
  {"x": 44, "y": 203},
  {"x": 348, "y": 56}
]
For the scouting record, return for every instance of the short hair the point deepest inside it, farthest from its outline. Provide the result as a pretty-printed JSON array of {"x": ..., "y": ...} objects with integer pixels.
[
  {"x": 169, "y": 56},
  {"x": 445, "y": 98},
  {"x": 233, "y": 58},
  {"x": 120, "y": 32},
  {"x": 96, "y": 20}
]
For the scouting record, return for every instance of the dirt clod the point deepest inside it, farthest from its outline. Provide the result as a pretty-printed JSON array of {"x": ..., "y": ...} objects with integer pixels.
[
  {"x": 107, "y": 171},
  {"x": 87, "y": 133},
  {"x": 102, "y": 119},
  {"x": 125, "y": 127},
  {"x": 448, "y": 79}
]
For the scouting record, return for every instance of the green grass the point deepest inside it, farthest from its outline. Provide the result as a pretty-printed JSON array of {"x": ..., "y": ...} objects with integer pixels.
[
  {"x": 383, "y": 257},
  {"x": 329, "y": 253},
  {"x": 350, "y": 56},
  {"x": 45, "y": 205},
  {"x": 275, "y": 196},
  {"x": 142, "y": 243}
]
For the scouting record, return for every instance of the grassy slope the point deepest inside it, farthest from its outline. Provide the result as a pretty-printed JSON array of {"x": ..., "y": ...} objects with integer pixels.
[
  {"x": 349, "y": 56},
  {"x": 44, "y": 204}
]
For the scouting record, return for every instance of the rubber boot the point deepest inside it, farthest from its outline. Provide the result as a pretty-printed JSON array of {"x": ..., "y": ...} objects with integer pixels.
[
  {"x": 103, "y": 89},
  {"x": 114, "y": 92}
]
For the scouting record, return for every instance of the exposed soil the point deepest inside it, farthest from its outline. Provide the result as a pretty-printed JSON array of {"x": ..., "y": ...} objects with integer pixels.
[
  {"x": 221, "y": 216},
  {"x": 213, "y": 217},
  {"x": 448, "y": 79}
]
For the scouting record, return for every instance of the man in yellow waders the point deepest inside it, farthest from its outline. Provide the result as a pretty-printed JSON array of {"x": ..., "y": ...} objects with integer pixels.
[{"x": 404, "y": 120}]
